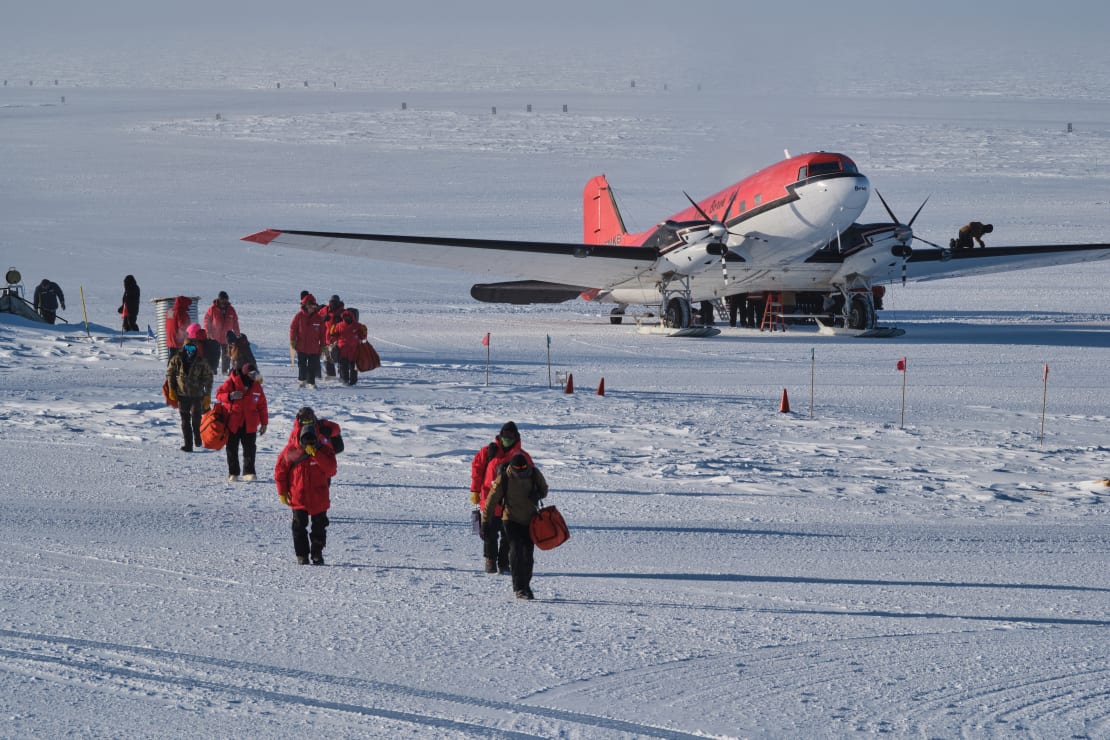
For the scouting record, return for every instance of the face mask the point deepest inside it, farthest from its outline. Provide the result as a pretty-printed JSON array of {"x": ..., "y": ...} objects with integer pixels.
[{"x": 508, "y": 441}]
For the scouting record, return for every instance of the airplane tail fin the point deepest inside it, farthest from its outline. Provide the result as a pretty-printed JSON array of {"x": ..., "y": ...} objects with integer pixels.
[{"x": 601, "y": 219}]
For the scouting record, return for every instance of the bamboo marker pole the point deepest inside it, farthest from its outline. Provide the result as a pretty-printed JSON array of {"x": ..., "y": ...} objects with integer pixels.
[{"x": 85, "y": 311}]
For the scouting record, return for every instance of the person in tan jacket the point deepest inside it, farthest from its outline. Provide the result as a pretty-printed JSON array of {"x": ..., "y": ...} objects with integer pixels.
[{"x": 517, "y": 489}]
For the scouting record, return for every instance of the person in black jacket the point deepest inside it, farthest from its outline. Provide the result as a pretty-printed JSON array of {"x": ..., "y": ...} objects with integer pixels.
[
  {"x": 130, "y": 305},
  {"x": 48, "y": 296}
]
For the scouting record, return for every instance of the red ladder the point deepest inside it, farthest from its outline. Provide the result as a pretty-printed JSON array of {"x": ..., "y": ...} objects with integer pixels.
[{"x": 772, "y": 314}]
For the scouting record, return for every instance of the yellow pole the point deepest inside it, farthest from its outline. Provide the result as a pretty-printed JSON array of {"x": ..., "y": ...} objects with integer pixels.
[{"x": 85, "y": 312}]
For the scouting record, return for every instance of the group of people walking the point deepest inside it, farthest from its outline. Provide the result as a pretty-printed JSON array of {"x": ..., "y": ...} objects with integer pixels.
[
  {"x": 505, "y": 485},
  {"x": 331, "y": 333}
]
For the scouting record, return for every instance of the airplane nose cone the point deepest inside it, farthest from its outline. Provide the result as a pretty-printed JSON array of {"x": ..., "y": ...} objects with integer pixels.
[{"x": 859, "y": 193}]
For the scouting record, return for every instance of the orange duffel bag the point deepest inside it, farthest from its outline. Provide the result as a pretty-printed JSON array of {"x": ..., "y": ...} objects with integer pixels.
[
  {"x": 548, "y": 528},
  {"x": 213, "y": 427},
  {"x": 366, "y": 357}
]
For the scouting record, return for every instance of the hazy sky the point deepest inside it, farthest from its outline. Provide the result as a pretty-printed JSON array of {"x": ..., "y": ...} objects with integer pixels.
[{"x": 693, "y": 23}]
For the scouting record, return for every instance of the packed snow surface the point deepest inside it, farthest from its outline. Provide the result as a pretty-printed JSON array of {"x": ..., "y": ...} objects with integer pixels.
[{"x": 921, "y": 554}]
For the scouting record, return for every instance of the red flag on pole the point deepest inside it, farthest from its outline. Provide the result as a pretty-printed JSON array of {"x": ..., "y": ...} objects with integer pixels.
[
  {"x": 1046, "y": 372},
  {"x": 902, "y": 364},
  {"x": 485, "y": 340}
]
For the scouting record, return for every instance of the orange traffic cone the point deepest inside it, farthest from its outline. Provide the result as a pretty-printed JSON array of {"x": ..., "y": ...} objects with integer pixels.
[
  {"x": 570, "y": 384},
  {"x": 784, "y": 407},
  {"x": 601, "y": 387}
]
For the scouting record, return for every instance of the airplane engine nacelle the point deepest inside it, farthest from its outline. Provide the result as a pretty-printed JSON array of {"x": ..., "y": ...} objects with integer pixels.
[
  {"x": 692, "y": 258},
  {"x": 883, "y": 260}
]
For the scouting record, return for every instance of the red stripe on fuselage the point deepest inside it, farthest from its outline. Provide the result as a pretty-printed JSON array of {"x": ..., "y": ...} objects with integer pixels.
[{"x": 770, "y": 184}]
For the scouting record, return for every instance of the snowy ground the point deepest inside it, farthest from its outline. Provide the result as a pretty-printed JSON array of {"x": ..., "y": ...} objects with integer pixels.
[{"x": 733, "y": 571}]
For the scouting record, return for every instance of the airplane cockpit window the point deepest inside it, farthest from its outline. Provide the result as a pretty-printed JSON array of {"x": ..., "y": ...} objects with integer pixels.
[
  {"x": 823, "y": 168},
  {"x": 803, "y": 173}
]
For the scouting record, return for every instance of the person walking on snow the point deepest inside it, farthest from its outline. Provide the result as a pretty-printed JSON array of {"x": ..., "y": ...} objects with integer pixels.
[
  {"x": 129, "y": 306},
  {"x": 177, "y": 324},
  {"x": 347, "y": 334},
  {"x": 307, "y": 338},
  {"x": 331, "y": 313},
  {"x": 303, "y": 476},
  {"x": 517, "y": 490},
  {"x": 48, "y": 296},
  {"x": 219, "y": 319},
  {"x": 248, "y": 416},
  {"x": 483, "y": 469},
  {"x": 190, "y": 384}
]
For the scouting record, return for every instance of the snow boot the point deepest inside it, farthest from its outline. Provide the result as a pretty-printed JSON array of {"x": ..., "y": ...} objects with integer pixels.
[{"x": 491, "y": 565}]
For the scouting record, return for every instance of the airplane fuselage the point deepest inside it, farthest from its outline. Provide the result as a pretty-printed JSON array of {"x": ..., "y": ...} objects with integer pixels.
[{"x": 778, "y": 219}]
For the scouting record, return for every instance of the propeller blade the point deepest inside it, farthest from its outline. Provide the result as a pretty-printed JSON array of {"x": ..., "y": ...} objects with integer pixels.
[
  {"x": 917, "y": 211},
  {"x": 696, "y": 206},
  {"x": 889, "y": 212},
  {"x": 728, "y": 208}
]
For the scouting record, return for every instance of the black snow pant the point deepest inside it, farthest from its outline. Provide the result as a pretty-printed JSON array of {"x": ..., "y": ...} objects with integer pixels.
[
  {"x": 495, "y": 545},
  {"x": 249, "y": 441},
  {"x": 348, "y": 372},
  {"x": 308, "y": 367},
  {"x": 521, "y": 554},
  {"x": 305, "y": 543},
  {"x": 190, "y": 410}
]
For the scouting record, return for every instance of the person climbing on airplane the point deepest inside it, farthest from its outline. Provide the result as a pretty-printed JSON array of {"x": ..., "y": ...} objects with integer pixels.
[{"x": 974, "y": 230}]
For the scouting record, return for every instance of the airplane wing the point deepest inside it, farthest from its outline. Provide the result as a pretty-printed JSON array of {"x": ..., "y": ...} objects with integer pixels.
[
  {"x": 938, "y": 264},
  {"x": 571, "y": 267}
]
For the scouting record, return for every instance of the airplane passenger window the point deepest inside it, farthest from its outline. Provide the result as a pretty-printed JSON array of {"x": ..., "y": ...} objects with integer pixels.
[{"x": 757, "y": 199}]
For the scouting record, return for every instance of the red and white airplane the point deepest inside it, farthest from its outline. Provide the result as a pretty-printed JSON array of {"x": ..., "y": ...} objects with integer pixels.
[{"x": 791, "y": 227}]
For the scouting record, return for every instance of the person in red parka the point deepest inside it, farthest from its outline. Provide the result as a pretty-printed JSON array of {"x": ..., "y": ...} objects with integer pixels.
[
  {"x": 331, "y": 314},
  {"x": 219, "y": 319},
  {"x": 307, "y": 337},
  {"x": 347, "y": 333},
  {"x": 303, "y": 476},
  {"x": 177, "y": 324},
  {"x": 248, "y": 416},
  {"x": 483, "y": 470}
]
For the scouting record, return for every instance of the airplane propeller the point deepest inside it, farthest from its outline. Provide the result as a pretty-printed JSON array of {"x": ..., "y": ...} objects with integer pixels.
[
  {"x": 717, "y": 229},
  {"x": 903, "y": 233}
]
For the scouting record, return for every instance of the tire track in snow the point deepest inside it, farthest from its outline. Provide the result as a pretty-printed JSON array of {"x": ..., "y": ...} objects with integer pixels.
[{"x": 96, "y": 665}]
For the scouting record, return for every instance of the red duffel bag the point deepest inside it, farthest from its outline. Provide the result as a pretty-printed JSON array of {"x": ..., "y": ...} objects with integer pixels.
[
  {"x": 548, "y": 528},
  {"x": 366, "y": 357}
]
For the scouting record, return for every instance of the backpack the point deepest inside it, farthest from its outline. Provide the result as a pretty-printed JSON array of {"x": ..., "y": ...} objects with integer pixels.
[{"x": 213, "y": 427}]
